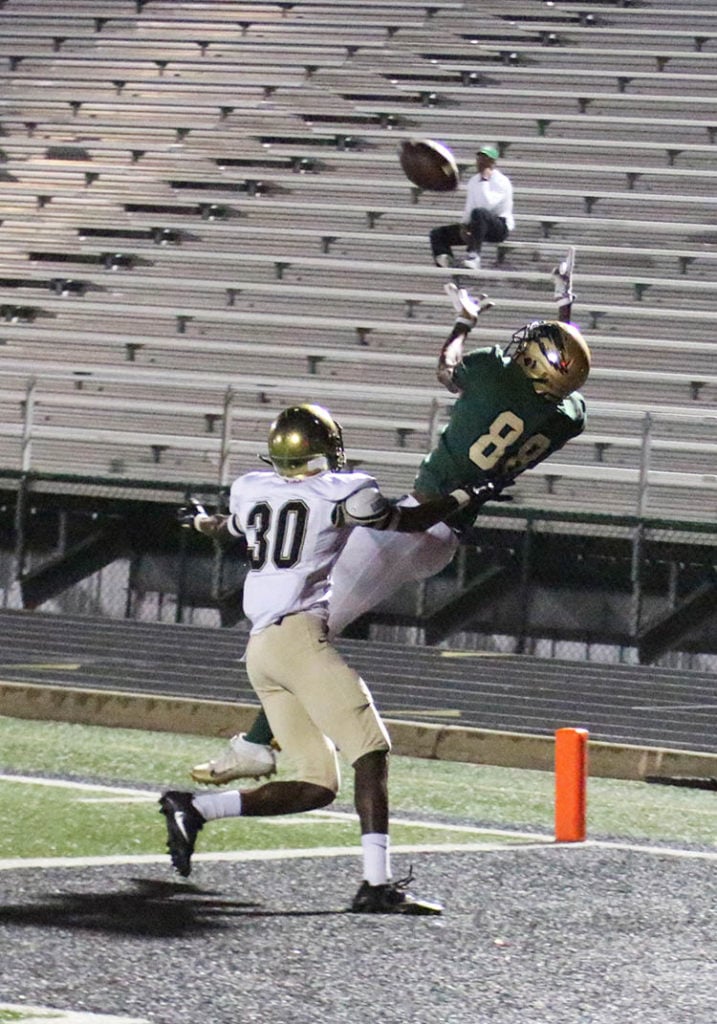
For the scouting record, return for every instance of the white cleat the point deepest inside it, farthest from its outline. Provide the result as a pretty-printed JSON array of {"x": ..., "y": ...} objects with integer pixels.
[{"x": 242, "y": 760}]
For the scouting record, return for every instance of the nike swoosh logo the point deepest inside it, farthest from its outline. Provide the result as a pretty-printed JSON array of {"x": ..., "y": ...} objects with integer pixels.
[{"x": 179, "y": 822}]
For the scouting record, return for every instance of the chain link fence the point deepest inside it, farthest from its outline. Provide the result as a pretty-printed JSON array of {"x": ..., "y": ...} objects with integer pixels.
[{"x": 571, "y": 586}]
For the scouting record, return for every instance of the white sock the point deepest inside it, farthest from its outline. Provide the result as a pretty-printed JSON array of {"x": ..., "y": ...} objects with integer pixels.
[
  {"x": 376, "y": 858},
  {"x": 218, "y": 805}
]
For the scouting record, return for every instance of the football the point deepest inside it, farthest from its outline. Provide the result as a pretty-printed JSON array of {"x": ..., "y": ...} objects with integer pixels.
[{"x": 429, "y": 164}]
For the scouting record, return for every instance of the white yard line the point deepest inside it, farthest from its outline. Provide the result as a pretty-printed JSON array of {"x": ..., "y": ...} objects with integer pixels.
[
  {"x": 36, "y": 780},
  {"x": 658, "y": 851},
  {"x": 704, "y": 706},
  {"x": 529, "y": 840},
  {"x": 123, "y": 794},
  {"x": 238, "y": 856},
  {"x": 143, "y": 798},
  {"x": 235, "y": 856},
  {"x": 49, "y": 1015},
  {"x": 443, "y": 826}
]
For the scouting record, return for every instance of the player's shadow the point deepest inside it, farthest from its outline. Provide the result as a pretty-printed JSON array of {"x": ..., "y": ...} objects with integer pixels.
[{"x": 154, "y": 909}]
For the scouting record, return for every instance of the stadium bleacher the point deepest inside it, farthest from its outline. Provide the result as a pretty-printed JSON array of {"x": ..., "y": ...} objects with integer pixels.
[{"x": 207, "y": 195}]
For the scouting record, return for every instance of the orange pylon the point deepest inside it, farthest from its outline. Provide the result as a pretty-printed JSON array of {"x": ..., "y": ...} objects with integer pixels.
[{"x": 571, "y": 776}]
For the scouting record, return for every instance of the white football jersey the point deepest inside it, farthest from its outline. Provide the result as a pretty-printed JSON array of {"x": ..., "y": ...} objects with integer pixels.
[{"x": 295, "y": 531}]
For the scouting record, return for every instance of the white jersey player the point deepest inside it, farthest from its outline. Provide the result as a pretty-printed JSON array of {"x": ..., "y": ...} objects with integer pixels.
[
  {"x": 295, "y": 535},
  {"x": 296, "y": 521}
]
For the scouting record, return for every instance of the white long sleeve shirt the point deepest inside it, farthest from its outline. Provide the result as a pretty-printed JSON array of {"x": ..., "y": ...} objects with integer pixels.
[{"x": 494, "y": 194}]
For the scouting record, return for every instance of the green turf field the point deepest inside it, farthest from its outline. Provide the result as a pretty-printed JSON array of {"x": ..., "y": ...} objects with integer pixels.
[{"x": 52, "y": 821}]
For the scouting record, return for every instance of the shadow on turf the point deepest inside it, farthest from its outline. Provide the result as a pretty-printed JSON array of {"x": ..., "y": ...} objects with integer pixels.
[{"x": 154, "y": 908}]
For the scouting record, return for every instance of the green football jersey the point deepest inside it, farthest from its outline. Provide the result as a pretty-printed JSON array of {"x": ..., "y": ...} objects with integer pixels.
[{"x": 498, "y": 425}]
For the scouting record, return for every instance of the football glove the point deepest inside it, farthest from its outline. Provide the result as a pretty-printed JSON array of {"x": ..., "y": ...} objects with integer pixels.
[
  {"x": 467, "y": 308},
  {"x": 492, "y": 490},
  {"x": 563, "y": 280},
  {"x": 187, "y": 515}
]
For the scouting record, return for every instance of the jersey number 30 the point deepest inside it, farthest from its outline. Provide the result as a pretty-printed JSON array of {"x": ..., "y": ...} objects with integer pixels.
[
  {"x": 505, "y": 430},
  {"x": 288, "y": 539}
]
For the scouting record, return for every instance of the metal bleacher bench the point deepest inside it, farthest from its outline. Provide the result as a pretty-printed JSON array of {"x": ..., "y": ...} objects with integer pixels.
[
  {"x": 172, "y": 211},
  {"x": 183, "y": 61},
  {"x": 18, "y": 234},
  {"x": 19, "y": 237},
  {"x": 568, "y": 34},
  {"x": 681, "y": 383},
  {"x": 532, "y": 144},
  {"x": 372, "y": 213},
  {"x": 191, "y": 385},
  {"x": 429, "y": 117},
  {"x": 532, "y": 97},
  {"x": 147, "y": 287},
  {"x": 122, "y": 79},
  {"x": 700, "y": 486},
  {"x": 387, "y": 180},
  {"x": 618, "y": 57},
  {"x": 207, "y": 389},
  {"x": 589, "y": 194},
  {"x": 474, "y": 80},
  {"x": 54, "y": 178},
  {"x": 633, "y": 173},
  {"x": 684, "y": 257},
  {"x": 91, "y": 432},
  {"x": 129, "y": 344},
  {"x": 226, "y": 281}
]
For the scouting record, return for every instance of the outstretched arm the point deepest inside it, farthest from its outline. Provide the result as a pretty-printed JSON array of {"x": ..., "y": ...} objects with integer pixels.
[
  {"x": 451, "y": 354},
  {"x": 214, "y": 526},
  {"x": 415, "y": 518},
  {"x": 218, "y": 527},
  {"x": 368, "y": 507}
]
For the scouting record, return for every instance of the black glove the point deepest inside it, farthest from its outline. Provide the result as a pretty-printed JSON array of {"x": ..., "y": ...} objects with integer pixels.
[
  {"x": 492, "y": 490},
  {"x": 185, "y": 515}
]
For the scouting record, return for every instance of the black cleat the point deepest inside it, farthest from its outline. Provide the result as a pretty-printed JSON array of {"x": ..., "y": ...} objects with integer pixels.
[
  {"x": 392, "y": 898},
  {"x": 183, "y": 823}
]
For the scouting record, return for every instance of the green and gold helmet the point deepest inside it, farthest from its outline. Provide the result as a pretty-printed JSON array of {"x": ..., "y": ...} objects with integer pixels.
[
  {"x": 305, "y": 439},
  {"x": 553, "y": 355}
]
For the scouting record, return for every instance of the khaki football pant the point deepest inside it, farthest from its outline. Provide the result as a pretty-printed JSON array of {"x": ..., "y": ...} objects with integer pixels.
[{"x": 314, "y": 701}]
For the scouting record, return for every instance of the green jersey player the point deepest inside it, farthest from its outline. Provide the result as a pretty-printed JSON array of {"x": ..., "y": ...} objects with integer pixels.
[{"x": 514, "y": 407}]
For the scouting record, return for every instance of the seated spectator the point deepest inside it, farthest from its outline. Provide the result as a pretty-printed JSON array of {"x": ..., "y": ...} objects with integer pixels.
[{"x": 487, "y": 215}]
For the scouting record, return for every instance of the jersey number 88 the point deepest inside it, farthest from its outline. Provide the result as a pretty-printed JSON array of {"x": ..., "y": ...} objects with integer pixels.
[{"x": 505, "y": 430}]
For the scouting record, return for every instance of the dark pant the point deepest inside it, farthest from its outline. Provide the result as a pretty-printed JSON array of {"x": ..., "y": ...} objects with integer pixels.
[{"x": 484, "y": 227}]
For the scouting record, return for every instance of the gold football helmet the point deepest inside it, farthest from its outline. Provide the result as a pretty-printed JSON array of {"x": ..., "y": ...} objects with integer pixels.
[
  {"x": 554, "y": 355},
  {"x": 305, "y": 439}
]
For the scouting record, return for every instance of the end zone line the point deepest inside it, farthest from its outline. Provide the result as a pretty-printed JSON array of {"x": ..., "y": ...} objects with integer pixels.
[
  {"x": 348, "y": 816},
  {"x": 529, "y": 840},
  {"x": 238, "y": 856},
  {"x": 659, "y": 851},
  {"x": 48, "y": 1014},
  {"x": 149, "y": 794},
  {"x": 40, "y": 780}
]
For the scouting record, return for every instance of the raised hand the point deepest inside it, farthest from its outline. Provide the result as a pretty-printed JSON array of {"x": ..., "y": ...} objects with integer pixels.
[{"x": 187, "y": 514}]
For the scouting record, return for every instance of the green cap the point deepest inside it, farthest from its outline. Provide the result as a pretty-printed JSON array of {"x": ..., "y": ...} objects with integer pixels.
[{"x": 490, "y": 149}]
